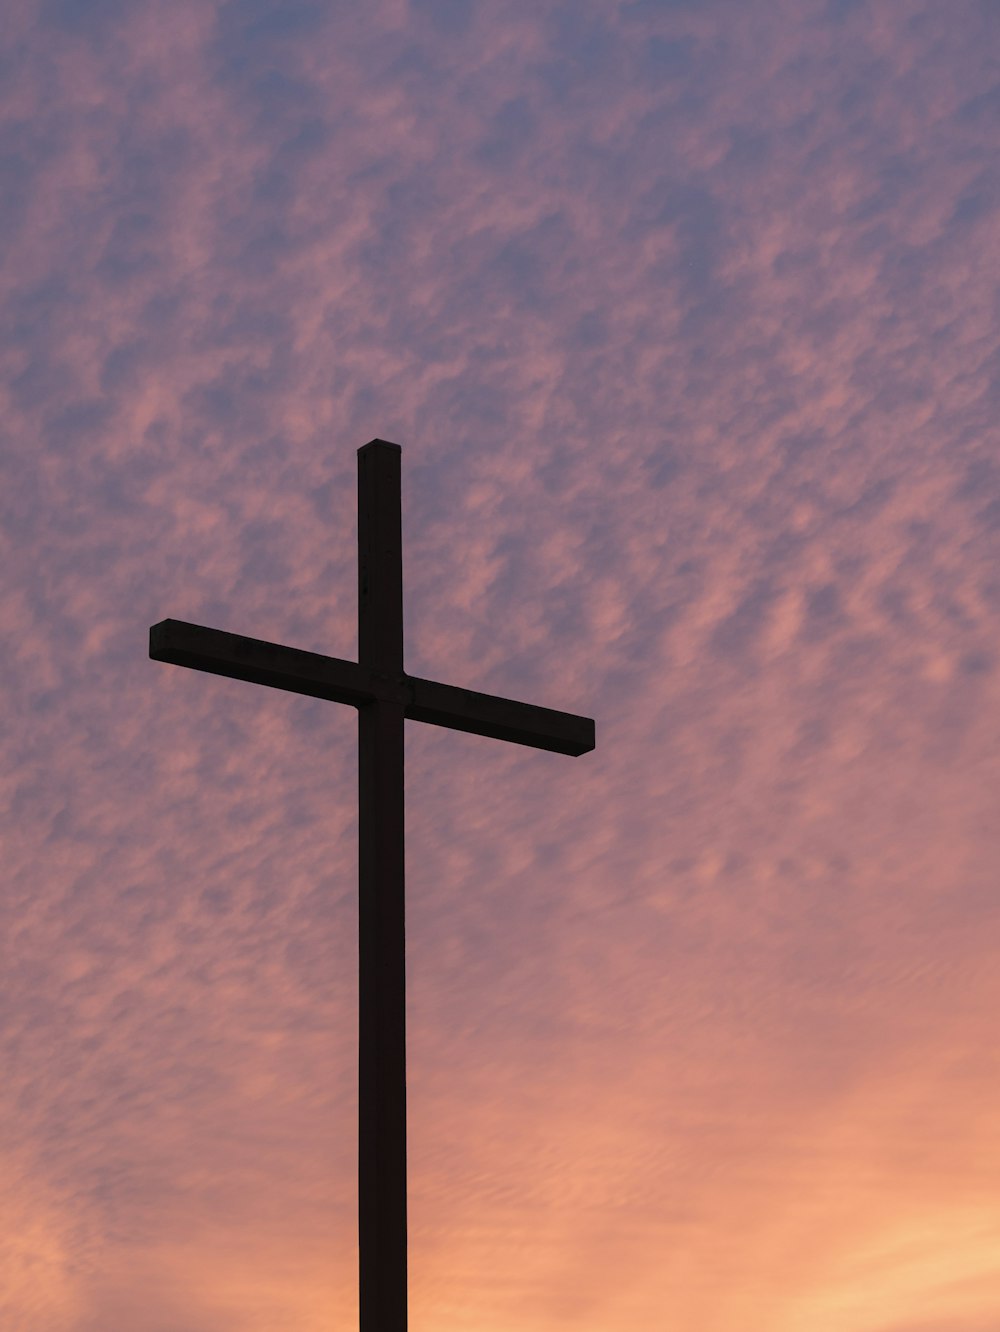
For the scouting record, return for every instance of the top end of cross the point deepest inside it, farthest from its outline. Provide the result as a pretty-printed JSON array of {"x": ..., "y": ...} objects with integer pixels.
[{"x": 379, "y": 444}]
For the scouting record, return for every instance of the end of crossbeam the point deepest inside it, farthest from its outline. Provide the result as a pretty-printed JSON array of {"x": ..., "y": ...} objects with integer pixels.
[{"x": 160, "y": 641}]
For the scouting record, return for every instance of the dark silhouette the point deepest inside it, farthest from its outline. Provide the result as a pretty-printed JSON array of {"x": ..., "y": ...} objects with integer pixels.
[{"x": 384, "y": 695}]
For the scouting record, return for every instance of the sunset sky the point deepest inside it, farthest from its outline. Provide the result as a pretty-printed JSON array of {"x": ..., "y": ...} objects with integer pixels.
[{"x": 685, "y": 314}]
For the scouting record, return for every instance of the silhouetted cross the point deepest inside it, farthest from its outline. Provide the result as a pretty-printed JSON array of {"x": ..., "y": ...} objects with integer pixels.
[{"x": 384, "y": 695}]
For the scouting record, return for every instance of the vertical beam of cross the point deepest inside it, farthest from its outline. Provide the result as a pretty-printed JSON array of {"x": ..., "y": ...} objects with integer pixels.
[
  {"x": 384, "y": 695},
  {"x": 381, "y": 873}
]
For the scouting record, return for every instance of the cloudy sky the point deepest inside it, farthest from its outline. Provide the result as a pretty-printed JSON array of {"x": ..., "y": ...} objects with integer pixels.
[{"x": 685, "y": 315}]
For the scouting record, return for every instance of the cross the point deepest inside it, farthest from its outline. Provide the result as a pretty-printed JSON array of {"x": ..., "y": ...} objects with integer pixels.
[{"x": 384, "y": 696}]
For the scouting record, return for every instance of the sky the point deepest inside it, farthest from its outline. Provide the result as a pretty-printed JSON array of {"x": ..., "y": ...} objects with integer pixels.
[{"x": 685, "y": 316}]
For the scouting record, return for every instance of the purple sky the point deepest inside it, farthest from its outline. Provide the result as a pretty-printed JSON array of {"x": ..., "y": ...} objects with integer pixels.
[{"x": 685, "y": 315}]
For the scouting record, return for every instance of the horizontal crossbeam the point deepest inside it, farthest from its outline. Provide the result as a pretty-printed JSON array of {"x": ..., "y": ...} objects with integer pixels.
[
  {"x": 260, "y": 662},
  {"x": 501, "y": 718},
  {"x": 319, "y": 676}
]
